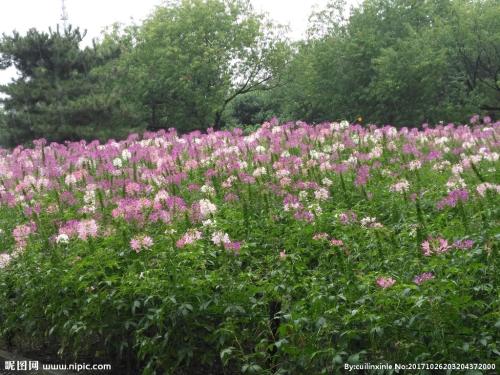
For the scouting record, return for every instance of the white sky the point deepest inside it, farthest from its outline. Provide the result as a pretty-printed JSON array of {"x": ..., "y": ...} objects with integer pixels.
[{"x": 94, "y": 15}]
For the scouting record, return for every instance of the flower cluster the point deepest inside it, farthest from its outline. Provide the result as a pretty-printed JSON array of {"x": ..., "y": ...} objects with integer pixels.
[
  {"x": 435, "y": 245},
  {"x": 419, "y": 279},
  {"x": 453, "y": 198},
  {"x": 189, "y": 237},
  {"x": 139, "y": 243},
  {"x": 385, "y": 282}
]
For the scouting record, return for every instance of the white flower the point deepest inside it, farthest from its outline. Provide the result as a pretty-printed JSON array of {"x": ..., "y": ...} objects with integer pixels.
[
  {"x": 126, "y": 154},
  {"x": 457, "y": 169},
  {"x": 117, "y": 162},
  {"x": 207, "y": 207},
  {"x": 367, "y": 221},
  {"x": 400, "y": 186},
  {"x": 282, "y": 173},
  {"x": 455, "y": 183},
  {"x": 441, "y": 166},
  {"x": 370, "y": 222},
  {"x": 338, "y": 147},
  {"x": 259, "y": 172},
  {"x": 441, "y": 140},
  {"x": 219, "y": 238},
  {"x": 208, "y": 223},
  {"x": 314, "y": 207},
  {"x": 260, "y": 149},
  {"x": 207, "y": 189},
  {"x": 344, "y": 124},
  {"x": 4, "y": 260},
  {"x": 62, "y": 238},
  {"x": 321, "y": 194},
  {"x": 326, "y": 181},
  {"x": 493, "y": 156},
  {"x": 468, "y": 145},
  {"x": 327, "y": 149},
  {"x": 335, "y": 126},
  {"x": 414, "y": 165},
  {"x": 70, "y": 179},
  {"x": 353, "y": 160}
]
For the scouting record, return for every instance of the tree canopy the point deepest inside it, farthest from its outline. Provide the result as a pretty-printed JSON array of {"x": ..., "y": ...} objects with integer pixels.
[{"x": 193, "y": 64}]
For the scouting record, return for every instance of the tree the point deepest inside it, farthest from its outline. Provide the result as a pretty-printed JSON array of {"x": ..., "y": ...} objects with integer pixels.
[
  {"x": 397, "y": 61},
  {"x": 474, "y": 35},
  {"x": 57, "y": 95},
  {"x": 192, "y": 58},
  {"x": 3, "y": 128}
]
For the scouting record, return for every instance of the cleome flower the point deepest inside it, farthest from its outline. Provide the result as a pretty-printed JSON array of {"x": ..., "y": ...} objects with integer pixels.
[
  {"x": 189, "y": 237},
  {"x": 435, "y": 245},
  {"x": 401, "y": 186},
  {"x": 4, "y": 260},
  {"x": 370, "y": 222},
  {"x": 139, "y": 243},
  {"x": 62, "y": 238},
  {"x": 206, "y": 208},
  {"x": 419, "y": 279},
  {"x": 385, "y": 282}
]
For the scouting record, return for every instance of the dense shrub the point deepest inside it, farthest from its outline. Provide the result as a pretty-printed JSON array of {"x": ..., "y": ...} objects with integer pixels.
[{"x": 295, "y": 249}]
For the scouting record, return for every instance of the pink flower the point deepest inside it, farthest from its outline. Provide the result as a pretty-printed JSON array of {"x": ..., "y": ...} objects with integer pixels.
[
  {"x": 335, "y": 242},
  {"x": 141, "y": 243},
  {"x": 147, "y": 242},
  {"x": 282, "y": 255},
  {"x": 21, "y": 234},
  {"x": 435, "y": 245},
  {"x": 189, "y": 237},
  {"x": 385, "y": 282},
  {"x": 426, "y": 248},
  {"x": 419, "y": 279},
  {"x": 362, "y": 175},
  {"x": 87, "y": 228},
  {"x": 135, "y": 244},
  {"x": 347, "y": 217}
]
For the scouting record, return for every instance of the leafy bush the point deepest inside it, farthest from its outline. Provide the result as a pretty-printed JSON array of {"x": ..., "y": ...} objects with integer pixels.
[{"x": 295, "y": 249}]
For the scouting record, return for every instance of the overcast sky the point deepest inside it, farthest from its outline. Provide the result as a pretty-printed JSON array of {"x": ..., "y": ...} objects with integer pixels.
[{"x": 94, "y": 15}]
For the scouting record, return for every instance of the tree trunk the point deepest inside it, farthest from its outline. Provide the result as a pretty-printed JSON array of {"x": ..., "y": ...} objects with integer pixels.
[
  {"x": 153, "y": 123},
  {"x": 218, "y": 120}
]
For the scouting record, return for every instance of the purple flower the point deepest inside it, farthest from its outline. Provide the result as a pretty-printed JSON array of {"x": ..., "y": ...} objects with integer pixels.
[
  {"x": 419, "y": 279},
  {"x": 362, "y": 175},
  {"x": 463, "y": 244},
  {"x": 453, "y": 198}
]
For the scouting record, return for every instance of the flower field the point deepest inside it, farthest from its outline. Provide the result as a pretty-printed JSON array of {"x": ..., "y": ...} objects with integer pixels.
[{"x": 292, "y": 250}]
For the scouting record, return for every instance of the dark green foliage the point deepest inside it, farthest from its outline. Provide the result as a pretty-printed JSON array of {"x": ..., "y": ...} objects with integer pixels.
[
  {"x": 192, "y": 58},
  {"x": 253, "y": 108},
  {"x": 58, "y": 95},
  {"x": 398, "y": 61},
  {"x": 199, "y": 63}
]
